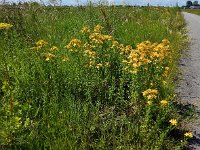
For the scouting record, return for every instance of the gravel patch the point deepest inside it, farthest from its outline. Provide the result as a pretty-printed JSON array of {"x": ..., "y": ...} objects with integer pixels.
[{"x": 189, "y": 87}]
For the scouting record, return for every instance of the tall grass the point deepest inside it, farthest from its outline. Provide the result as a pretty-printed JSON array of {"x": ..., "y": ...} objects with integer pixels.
[{"x": 66, "y": 89}]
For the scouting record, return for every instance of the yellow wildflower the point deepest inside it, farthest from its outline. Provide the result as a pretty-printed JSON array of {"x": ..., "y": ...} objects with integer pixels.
[
  {"x": 36, "y": 48},
  {"x": 85, "y": 30},
  {"x": 149, "y": 102},
  {"x": 133, "y": 57},
  {"x": 90, "y": 53},
  {"x": 154, "y": 55},
  {"x": 96, "y": 38},
  {"x": 41, "y": 43},
  {"x": 167, "y": 68},
  {"x": 114, "y": 44},
  {"x": 145, "y": 53},
  {"x": 165, "y": 41},
  {"x": 188, "y": 134},
  {"x": 106, "y": 37},
  {"x": 136, "y": 65},
  {"x": 107, "y": 64},
  {"x": 98, "y": 66},
  {"x": 151, "y": 96},
  {"x": 5, "y": 25},
  {"x": 173, "y": 122},
  {"x": 163, "y": 103},
  {"x": 88, "y": 46},
  {"x": 49, "y": 56},
  {"x": 150, "y": 93},
  {"x": 54, "y": 48},
  {"x": 125, "y": 61},
  {"x": 126, "y": 50},
  {"x": 74, "y": 43},
  {"x": 98, "y": 28},
  {"x": 120, "y": 46},
  {"x": 166, "y": 72},
  {"x": 91, "y": 63}
]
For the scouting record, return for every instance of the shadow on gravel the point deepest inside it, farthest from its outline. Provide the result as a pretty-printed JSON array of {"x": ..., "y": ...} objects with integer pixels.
[
  {"x": 190, "y": 111},
  {"x": 193, "y": 143},
  {"x": 187, "y": 110}
]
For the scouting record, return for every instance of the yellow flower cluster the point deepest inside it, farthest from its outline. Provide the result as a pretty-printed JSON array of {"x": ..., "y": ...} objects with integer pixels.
[
  {"x": 74, "y": 43},
  {"x": 99, "y": 65},
  {"x": 41, "y": 43},
  {"x": 98, "y": 38},
  {"x": 115, "y": 44},
  {"x": 88, "y": 46},
  {"x": 145, "y": 53},
  {"x": 149, "y": 102},
  {"x": 91, "y": 49},
  {"x": 163, "y": 103},
  {"x": 126, "y": 50},
  {"x": 47, "y": 52},
  {"x": 54, "y": 48},
  {"x": 89, "y": 53},
  {"x": 150, "y": 94},
  {"x": 98, "y": 28},
  {"x": 5, "y": 26},
  {"x": 49, "y": 56},
  {"x": 85, "y": 30},
  {"x": 173, "y": 122},
  {"x": 166, "y": 72},
  {"x": 188, "y": 134}
]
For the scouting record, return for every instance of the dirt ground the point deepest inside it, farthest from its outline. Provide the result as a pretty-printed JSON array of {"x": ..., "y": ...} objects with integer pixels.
[{"x": 189, "y": 87}]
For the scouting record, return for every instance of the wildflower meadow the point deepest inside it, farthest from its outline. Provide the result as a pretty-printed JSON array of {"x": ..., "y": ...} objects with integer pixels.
[{"x": 91, "y": 77}]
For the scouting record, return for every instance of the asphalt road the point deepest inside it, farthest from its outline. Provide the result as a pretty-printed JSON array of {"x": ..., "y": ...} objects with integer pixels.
[{"x": 189, "y": 88}]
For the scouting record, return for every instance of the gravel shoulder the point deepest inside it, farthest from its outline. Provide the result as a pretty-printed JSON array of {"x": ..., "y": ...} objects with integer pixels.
[{"x": 189, "y": 88}]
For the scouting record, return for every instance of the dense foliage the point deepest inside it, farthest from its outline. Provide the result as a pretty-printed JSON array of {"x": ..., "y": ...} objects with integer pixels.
[{"x": 90, "y": 78}]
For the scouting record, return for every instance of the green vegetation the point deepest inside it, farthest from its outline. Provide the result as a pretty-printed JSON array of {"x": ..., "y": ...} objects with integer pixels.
[
  {"x": 193, "y": 11},
  {"x": 110, "y": 86},
  {"x": 190, "y": 3}
]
